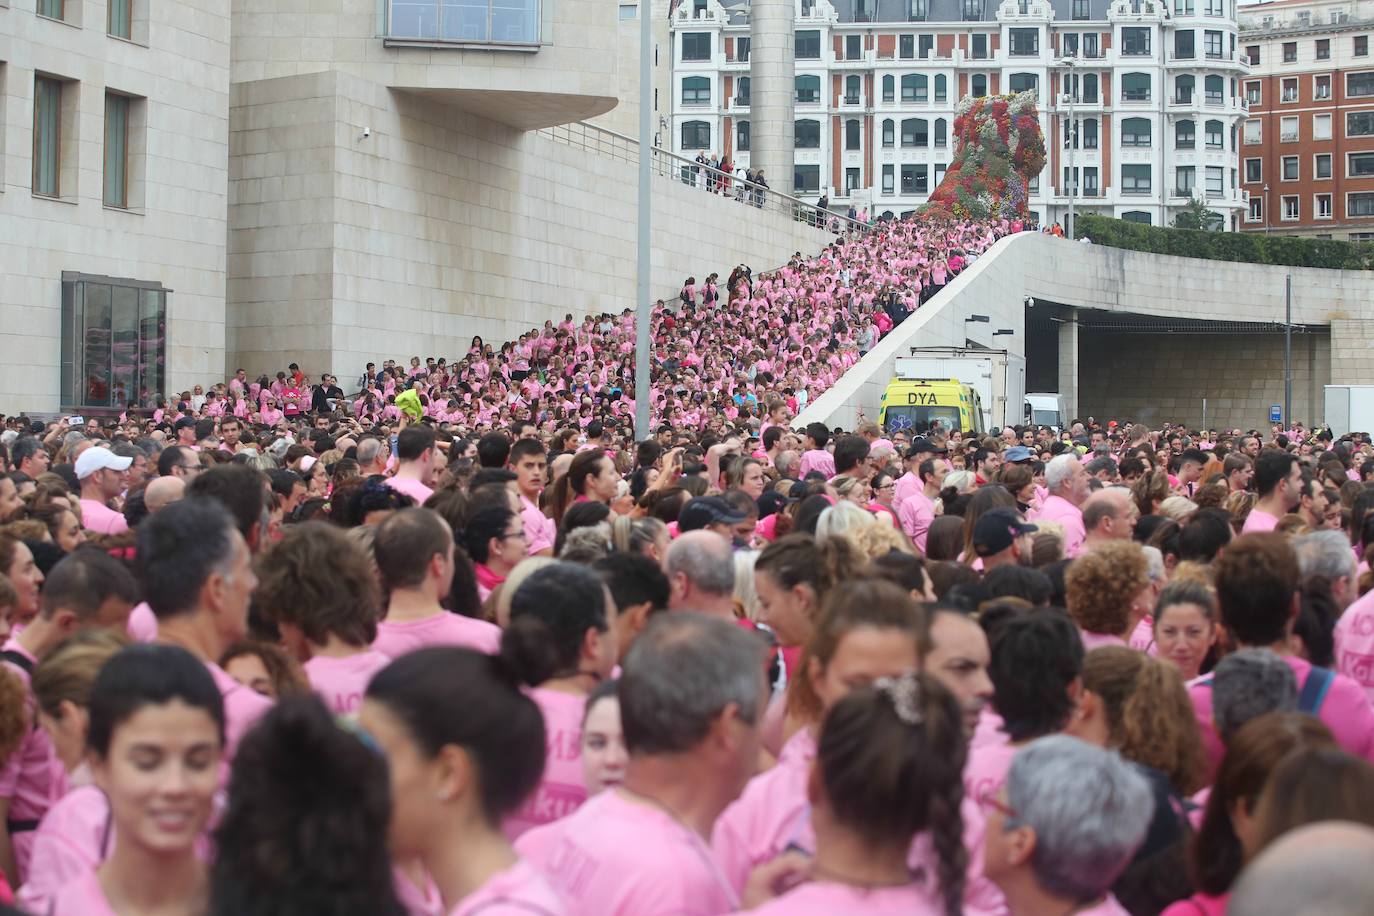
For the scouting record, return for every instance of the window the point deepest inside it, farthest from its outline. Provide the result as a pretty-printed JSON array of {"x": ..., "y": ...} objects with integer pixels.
[
  {"x": 1135, "y": 132},
  {"x": 696, "y": 90},
  {"x": 1135, "y": 179},
  {"x": 1289, "y": 168},
  {"x": 1090, "y": 181},
  {"x": 807, "y": 134},
  {"x": 696, "y": 135},
  {"x": 941, "y": 88},
  {"x": 1256, "y": 212},
  {"x": 117, "y": 108},
  {"x": 1321, "y": 127},
  {"x": 1135, "y": 42},
  {"x": 1288, "y": 129},
  {"x": 914, "y": 132},
  {"x": 1024, "y": 82},
  {"x": 1322, "y": 206},
  {"x": 1089, "y": 88},
  {"x": 925, "y": 44},
  {"x": 914, "y": 179},
  {"x": 1290, "y": 90},
  {"x": 1359, "y": 165},
  {"x": 807, "y": 44},
  {"x": 1252, "y": 54},
  {"x": 1359, "y": 84},
  {"x": 1215, "y": 181},
  {"x": 889, "y": 88},
  {"x": 1361, "y": 46},
  {"x": 851, "y": 134},
  {"x": 808, "y": 88},
  {"x": 1080, "y": 9},
  {"x": 1254, "y": 171},
  {"x": 941, "y": 133},
  {"x": 1253, "y": 131},
  {"x": 1290, "y": 52},
  {"x": 1216, "y": 134},
  {"x": 1216, "y": 8},
  {"x": 888, "y": 133},
  {"x": 119, "y": 19},
  {"x": 978, "y": 85},
  {"x": 1321, "y": 87},
  {"x": 1359, "y": 124},
  {"x": 1321, "y": 165},
  {"x": 628, "y": 11},
  {"x": 47, "y": 136},
  {"x": 742, "y": 91},
  {"x": 906, "y": 46},
  {"x": 914, "y": 87},
  {"x": 114, "y": 334},
  {"x": 741, "y": 136},
  {"x": 1290, "y": 207},
  {"x": 917, "y": 10},
  {"x": 806, "y": 179},
  {"x": 1089, "y": 138},
  {"x": 696, "y": 45},
  {"x": 1137, "y": 216},
  {"x": 1090, "y": 44},
  {"x": 1214, "y": 88},
  {"x": 851, "y": 181},
  {"x": 1211, "y": 45},
  {"x": 1185, "y": 180},
  {"x": 1183, "y": 89},
  {"x": 1183, "y": 7},
  {"x": 1068, "y": 44},
  {"x": 1023, "y": 42},
  {"x": 1185, "y": 135},
  {"x": 978, "y": 47},
  {"x": 1183, "y": 44},
  {"x": 1135, "y": 87},
  {"x": 889, "y": 180},
  {"x": 1323, "y": 49},
  {"x": 1359, "y": 204},
  {"x": 971, "y": 10},
  {"x": 851, "y": 90},
  {"x": 742, "y": 46},
  {"x": 853, "y": 47}
]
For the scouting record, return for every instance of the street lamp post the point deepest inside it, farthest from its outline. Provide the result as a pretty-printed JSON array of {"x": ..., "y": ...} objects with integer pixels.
[
  {"x": 643, "y": 287},
  {"x": 1071, "y": 134},
  {"x": 1264, "y": 205}
]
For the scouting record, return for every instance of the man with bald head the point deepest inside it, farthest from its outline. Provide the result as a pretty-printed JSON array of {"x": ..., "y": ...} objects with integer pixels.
[
  {"x": 701, "y": 570},
  {"x": 1109, "y": 515},
  {"x": 162, "y": 492},
  {"x": 1323, "y": 869}
]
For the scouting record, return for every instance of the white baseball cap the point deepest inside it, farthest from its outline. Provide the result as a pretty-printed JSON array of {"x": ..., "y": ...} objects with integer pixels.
[{"x": 99, "y": 459}]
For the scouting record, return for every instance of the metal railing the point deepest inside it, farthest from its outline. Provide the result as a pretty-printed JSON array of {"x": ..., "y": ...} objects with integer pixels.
[{"x": 609, "y": 144}]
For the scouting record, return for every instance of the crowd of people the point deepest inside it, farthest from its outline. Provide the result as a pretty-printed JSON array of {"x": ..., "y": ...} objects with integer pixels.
[{"x": 348, "y": 662}]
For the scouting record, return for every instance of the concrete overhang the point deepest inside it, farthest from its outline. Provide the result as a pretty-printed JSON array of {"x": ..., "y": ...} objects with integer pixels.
[{"x": 521, "y": 110}]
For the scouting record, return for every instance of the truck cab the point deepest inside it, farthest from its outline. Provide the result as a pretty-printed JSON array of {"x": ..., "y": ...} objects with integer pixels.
[
  {"x": 915, "y": 406},
  {"x": 1045, "y": 409}
]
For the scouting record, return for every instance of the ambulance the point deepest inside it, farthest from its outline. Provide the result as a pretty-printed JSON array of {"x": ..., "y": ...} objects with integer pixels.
[{"x": 916, "y": 406}]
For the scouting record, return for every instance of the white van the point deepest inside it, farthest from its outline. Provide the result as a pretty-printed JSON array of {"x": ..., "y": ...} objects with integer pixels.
[{"x": 1045, "y": 410}]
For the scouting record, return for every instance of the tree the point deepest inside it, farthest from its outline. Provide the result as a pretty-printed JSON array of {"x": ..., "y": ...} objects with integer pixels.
[{"x": 1196, "y": 215}]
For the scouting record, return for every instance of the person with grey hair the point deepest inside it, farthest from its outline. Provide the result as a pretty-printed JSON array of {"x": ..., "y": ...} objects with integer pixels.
[
  {"x": 1247, "y": 684},
  {"x": 138, "y": 462},
  {"x": 1327, "y": 554},
  {"x": 701, "y": 571},
  {"x": 371, "y": 456},
  {"x": 787, "y": 464},
  {"x": 1067, "y": 483},
  {"x": 692, "y": 695},
  {"x": 1070, "y": 820},
  {"x": 1323, "y": 869}
]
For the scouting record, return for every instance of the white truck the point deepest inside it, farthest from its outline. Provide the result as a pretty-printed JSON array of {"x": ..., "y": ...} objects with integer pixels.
[
  {"x": 1350, "y": 409},
  {"x": 1045, "y": 409},
  {"x": 998, "y": 376}
]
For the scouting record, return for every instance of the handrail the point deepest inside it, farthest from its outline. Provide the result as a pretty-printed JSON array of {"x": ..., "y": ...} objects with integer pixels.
[{"x": 602, "y": 141}]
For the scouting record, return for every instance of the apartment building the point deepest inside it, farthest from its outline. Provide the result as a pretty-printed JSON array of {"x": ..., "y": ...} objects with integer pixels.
[
  {"x": 1307, "y": 147},
  {"x": 1140, "y": 100}
]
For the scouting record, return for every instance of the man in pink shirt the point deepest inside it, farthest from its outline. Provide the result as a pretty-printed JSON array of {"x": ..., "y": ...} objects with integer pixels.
[
  {"x": 1278, "y": 480},
  {"x": 917, "y": 511},
  {"x": 86, "y": 589},
  {"x": 1257, "y": 593},
  {"x": 1067, "y": 484},
  {"x": 528, "y": 461},
  {"x": 103, "y": 475},
  {"x": 642, "y": 849},
  {"x": 416, "y": 459},
  {"x": 196, "y": 570},
  {"x": 415, "y": 556}
]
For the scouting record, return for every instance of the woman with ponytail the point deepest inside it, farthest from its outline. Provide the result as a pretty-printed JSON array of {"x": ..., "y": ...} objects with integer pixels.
[
  {"x": 888, "y": 771},
  {"x": 591, "y": 476},
  {"x": 458, "y": 768},
  {"x": 792, "y": 576},
  {"x": 562, "y": 643}
]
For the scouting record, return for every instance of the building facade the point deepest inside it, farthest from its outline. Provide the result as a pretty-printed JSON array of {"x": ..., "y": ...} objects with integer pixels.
[
  {"x": 1307, "y": 148},
  {"x": 1154, "y": 90}
]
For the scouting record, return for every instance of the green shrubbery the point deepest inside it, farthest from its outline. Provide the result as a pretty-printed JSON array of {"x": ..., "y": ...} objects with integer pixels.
[{"x": 1253, "y": 248}]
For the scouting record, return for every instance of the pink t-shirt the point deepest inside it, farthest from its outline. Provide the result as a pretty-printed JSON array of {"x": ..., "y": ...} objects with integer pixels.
[
  {"x": 243, "y": 706},
  {"x": 826, "y": 899},
  {"x": 142, "y": 624},
  {"x": 341, "y": 682},
  {"x": 620, "y": 857},
  {"x": 33, "y": 779},
  {"x": 771, "y": 813},
  {"x": 1199, "y": 904},
  {"x": 1108, "y": 907},
  {"x": 915, "y": 514},
  {"x": 540, "y": 530},
  {"x": 517, "y": 891},
  {"x": 1259, "y": 520},
  {"x": 1354, "y": 639},
  {"x": 101, "y": 519},
  {"x": 417, "y": 901},
  {"x": 817, "y": 459},
  {"x": 986, "y": 770},
  {"x": 82, "y": 896},
  {"x": 412, "y": 488},
  {"x": 395, "y": 639},
  {"x": 73, "y": 839},
  {"x": 1098, "y": 640},
  {"x": 1060, "y": 510},
  {"x": 562, "y": 789}
]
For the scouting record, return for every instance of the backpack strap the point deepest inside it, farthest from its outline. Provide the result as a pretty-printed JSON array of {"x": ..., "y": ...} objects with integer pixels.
[
  {"x": 18, "y": 659},
  {"x": 1314, "y": 690}
]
